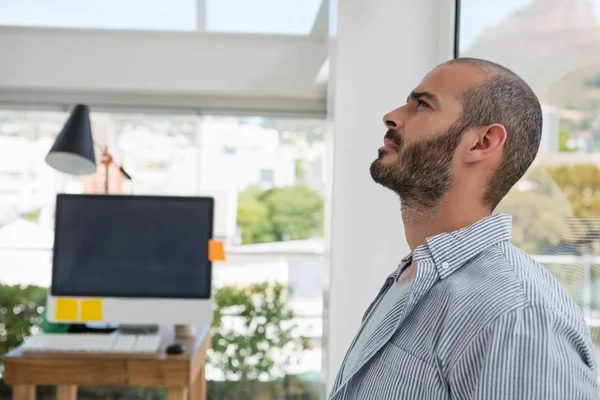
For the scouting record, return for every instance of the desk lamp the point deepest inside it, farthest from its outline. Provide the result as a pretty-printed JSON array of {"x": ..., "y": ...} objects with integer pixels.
[{"x": 73, "y": 150}]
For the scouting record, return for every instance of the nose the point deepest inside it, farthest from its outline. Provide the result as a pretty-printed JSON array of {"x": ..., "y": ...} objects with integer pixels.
[{"x": 393, "y": 119}]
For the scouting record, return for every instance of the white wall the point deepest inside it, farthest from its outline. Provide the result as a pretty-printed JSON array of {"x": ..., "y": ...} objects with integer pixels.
[
  {"x": 550, "y": 130},
  {"x": 178, "y": 69},
  {"x": 381, "y": 50}
]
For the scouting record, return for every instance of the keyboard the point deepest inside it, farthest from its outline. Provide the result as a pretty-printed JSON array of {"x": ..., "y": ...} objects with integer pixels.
[{"x": 83, "y": 343}]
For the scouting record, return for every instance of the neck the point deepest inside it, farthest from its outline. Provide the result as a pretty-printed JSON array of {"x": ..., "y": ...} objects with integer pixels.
[{"x": 451, "y": 214}]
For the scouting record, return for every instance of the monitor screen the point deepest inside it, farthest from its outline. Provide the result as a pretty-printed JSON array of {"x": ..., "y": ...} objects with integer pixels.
[{"x": 132, "y": 246}]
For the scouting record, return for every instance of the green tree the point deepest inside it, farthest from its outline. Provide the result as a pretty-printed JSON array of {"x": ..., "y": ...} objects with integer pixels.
[
  {"x": 296, "y": 212},
  {"x": 566, "y": 193},
  {"x": 261, "y": 344},
  {"x": 299, "y": 170},
  {"x": 541, "y": 213},
  {"x": 580, "y": 184},
  {"x": 563, "y": 141},
  {"x": 253, "y": 217},
  {"x": 537, "y": 219},
  {"x": 20, "y": 313},
  {"x": 288, "y": 213}
]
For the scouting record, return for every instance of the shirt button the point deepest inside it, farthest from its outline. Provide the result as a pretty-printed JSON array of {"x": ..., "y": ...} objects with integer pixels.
[{"x": 445, "y": 265}]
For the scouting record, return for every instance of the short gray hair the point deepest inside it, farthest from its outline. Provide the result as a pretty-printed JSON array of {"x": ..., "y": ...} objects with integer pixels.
[{"x": 504, "y": 98}]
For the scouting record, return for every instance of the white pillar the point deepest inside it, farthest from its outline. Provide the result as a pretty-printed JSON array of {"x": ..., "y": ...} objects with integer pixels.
[
  {"x": 201, "y": 15},
  {"x": 380, "y": 50}
]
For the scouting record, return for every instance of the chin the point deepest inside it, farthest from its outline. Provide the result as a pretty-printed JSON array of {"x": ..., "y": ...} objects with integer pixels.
[
  {"x": 385, "y": 163},
  {"x": 388, "y": 158},
  {"x": 381, "y": 170}
]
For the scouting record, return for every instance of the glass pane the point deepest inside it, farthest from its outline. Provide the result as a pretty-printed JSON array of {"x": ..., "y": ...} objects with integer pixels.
[
  {"x": 289, "y": 17},
  {"x": 158, "y": 151},
  {"x": 27, "y": 184},
  {"x": 555, "y": 46},
  {"x": 172, "y": 15},
  {"x": 267, "y": 178}
]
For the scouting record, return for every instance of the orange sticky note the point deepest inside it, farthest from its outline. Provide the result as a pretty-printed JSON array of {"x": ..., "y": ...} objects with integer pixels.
[
  {"x": 91, "y": 310},
  {"x": 66, "y": 310},
  {"x": 216, "y": 251}
]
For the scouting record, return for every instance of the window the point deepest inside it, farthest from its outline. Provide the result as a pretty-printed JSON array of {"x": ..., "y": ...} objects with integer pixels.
[
  {"x": 290, "y": 17},
  {"x": 282, "y": 17},
  {"x": 271, "y": 234},
  {"x": 555, "y": 47},
  {"x": 267, "y": 177},
  {"x": 173, "y": 15},
  {"x": 159, "y": 151}
]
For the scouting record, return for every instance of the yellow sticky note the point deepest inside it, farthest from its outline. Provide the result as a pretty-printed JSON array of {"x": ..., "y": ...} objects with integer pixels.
[
  {"x": 216, "y": 251},
  {"x": 91, "y": 310},
  {"x": 66, "y": 310}
]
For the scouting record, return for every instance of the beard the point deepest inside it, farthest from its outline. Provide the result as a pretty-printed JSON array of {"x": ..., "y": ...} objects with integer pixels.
[{"x": 420, "y": 175}]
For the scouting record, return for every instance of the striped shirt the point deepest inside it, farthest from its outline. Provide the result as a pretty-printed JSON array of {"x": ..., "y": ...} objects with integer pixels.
[
  {"x": 482, "y": 321},
  {"x": 393, "y": 294}
]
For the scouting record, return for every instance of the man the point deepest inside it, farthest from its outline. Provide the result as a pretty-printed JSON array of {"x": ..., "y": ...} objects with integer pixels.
[{"x": 466, "y": 315}]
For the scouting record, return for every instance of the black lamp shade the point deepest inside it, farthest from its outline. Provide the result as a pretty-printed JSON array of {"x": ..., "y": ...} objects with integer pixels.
[{"x": 73, "y": 150}]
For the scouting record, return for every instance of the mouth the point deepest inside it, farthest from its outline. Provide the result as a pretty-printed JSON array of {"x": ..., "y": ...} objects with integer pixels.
[{"x": 389, "y": 145}]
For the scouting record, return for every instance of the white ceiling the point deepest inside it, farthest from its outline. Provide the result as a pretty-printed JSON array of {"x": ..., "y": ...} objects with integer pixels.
[{"x": 193, "y": 69}]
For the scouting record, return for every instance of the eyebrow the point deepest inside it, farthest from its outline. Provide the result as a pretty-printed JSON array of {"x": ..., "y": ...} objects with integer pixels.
[{"x": 423, "y": 95}]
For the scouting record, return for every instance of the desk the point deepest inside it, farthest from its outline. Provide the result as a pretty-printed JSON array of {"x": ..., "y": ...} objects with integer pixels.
[{"x": 178, "y": 373}]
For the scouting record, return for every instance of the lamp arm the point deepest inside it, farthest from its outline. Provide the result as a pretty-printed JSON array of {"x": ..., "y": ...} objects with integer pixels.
[{"x": 104, "y": 150}]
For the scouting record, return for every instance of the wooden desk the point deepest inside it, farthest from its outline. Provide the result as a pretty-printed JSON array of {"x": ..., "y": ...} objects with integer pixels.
[{"x": 178, "y": 373}]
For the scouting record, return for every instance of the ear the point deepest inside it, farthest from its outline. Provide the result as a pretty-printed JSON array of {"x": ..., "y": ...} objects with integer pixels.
[{"x": 485, "y": 143}]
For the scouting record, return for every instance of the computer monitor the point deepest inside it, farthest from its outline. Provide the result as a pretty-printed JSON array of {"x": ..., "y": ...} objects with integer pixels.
[{"x": 134, "y": 260}]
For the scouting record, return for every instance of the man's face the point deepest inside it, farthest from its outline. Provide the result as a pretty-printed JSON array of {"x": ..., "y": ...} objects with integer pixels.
[{"x": 416, "y": 160}]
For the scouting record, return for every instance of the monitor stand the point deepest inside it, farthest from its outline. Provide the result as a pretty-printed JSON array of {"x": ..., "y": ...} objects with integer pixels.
[
  {"x": 138, "y": 329},
  {"x": 183, "y": 331}
]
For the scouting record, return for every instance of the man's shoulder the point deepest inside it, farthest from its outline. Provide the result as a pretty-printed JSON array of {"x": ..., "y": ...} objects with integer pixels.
[
  {"x": 500, "y": 280},
  {"x": 505, "y": 273},
  {"x": 540, "y": 287},
  {"x": 484, "y": 288},
  {"x": 498, "y": 283}
]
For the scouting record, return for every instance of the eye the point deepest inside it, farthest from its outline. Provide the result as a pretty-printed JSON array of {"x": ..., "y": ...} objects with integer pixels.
[{"x": 421, "y": 103}]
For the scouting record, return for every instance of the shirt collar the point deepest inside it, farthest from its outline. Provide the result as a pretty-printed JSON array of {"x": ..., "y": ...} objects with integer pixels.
[
  {"x": 403, "y": 264},
  {"x": 452, "y": 250}
]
